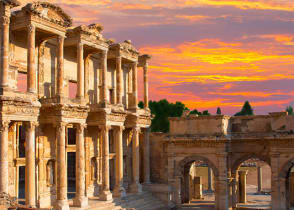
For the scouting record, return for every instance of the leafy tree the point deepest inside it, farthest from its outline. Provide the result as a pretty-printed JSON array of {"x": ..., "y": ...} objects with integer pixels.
[
  {"x": 141, "y": 105},
  {"x": 218, "y": 111},
  {"x": 162, "y": 110},
  {"x": 289, "y": 109},
  {"x": 246, "y": 110},
  {"x": 195, "y": 111}
]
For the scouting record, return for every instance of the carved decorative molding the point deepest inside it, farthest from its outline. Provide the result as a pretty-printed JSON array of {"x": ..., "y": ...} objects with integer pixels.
[{"x": 49, "y": 12}]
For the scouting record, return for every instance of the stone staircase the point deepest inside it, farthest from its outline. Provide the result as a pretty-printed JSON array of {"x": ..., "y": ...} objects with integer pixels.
[{"x": 142, "y": 201}]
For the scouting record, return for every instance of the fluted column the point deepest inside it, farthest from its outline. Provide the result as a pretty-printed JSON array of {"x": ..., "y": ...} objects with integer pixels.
[
  {"x": 80, "y": 199},
  {"x": 5, "y": 21},
  {"x": 135, "y": 186},
  {"x": 119, "y": 190},
  {"x": 119, "y": 79},
  {"x": 30, "y": 169},
  {"x": 135, "y": 84},
  {"x": 146, "y": 94},
  {"x": 147, "y": 156},
  {"x": 31, "y": 70},
  {"x": 4, "y": 156},
  {"x": 81, "y": 76},
  {"x": 60, "y": 65},
  {"x": 61, "y": 201},
  {"x": 104, "y": 75},
  {"x": 106, "y": 194},
  {"x": 259, "y": 179}
]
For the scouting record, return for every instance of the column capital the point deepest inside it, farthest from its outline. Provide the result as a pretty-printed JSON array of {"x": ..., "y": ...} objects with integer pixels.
[
  {"x": 31, "y": 28},
  {"x": 31, "y": 125},
  {"x": 80, "y": 127},
  {"x": 105, "y": 127},
  {"x": 60, "y": 38},
  {"x": 4, "y": 125},
  {"x": 243, "y": 172},
  {"x": 5, "y": 20},
  {"x": 119, "y": 128},
  {"x": 104, "y": 53},
  {"x": 145, "y": 67}
]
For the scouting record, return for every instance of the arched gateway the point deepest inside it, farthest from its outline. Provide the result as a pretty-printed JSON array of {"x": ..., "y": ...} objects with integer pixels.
[{"x": 228, "y": 145}]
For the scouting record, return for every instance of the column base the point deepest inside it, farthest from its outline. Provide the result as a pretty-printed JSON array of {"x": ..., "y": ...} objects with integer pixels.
[
  {"x": 105, "y": 196},
  {"x": 62, "y": 205},
  {"x": 135, "y": 188},
  {"x": 80, "y": 201},
  {"x": 119, "y": 192}
]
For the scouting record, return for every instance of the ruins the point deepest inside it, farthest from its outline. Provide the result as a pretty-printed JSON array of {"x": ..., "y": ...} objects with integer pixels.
[{"x": 75, "y": 131}]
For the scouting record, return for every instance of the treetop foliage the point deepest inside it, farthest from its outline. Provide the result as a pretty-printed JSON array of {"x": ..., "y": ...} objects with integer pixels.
[
  {"x": 289, "y": 109},
  {"x": 246, "y": 110}
]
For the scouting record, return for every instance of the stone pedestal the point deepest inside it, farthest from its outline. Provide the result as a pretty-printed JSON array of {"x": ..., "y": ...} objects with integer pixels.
[
  {"x": 105, "y": 194},
  {"x": 80, "y": 200},
  {"x": 61, "y": 201},
  {"x": 4, "y": 157},
  {"x": 242, "y": 186},
  {"x": 198, "y": 187},
  {"x": 30, "y": 169}
]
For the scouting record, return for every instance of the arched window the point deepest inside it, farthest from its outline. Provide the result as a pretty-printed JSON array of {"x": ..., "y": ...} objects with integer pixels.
[{"x": 50, "y": 171}]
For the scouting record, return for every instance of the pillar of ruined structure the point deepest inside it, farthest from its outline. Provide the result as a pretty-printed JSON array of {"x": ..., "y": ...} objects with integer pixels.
[
  {"x": 61, "y": 200},
  {"x": 31, "y": 71},
  {"x": 80, "y": 76},
  {"x": 259, "y": 179},
  {"x": 60, "y": 66},
  {"x": 30, "y": 172},
  {"x": 4, "y": 156},
  {"x": 291, "y": 183},
  {"x": 104, "y": 75},
  {"x": 198, "y": 187},
  {"x": 210, "y": 174},
  {"x": 242, "y": 186},
  {"x": 146, "y": 94},
  {"x": 135, "y": 85},
  {"x": 80, "y": 200},
  {"x": 146, "y": 156},
  {"x": 135, "y": 187},
  {"x": 119, "y": 190},
  {"x": 105, "y": 194},
  {"x": 119, "y": 80}
]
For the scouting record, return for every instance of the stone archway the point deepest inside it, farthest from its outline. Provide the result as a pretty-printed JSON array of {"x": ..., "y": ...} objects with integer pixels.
[
  {"x": 182, "y": 171},
  {"x": 285, "y": 182}
]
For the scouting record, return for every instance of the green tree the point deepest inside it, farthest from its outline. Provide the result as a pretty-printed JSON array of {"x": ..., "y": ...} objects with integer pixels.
[
  {"x": 141, "y": 105},
  {"x": 195, "y": 111},
  {"x": 162, "y": 110},
  {"x": 246, "y": 110},
  {"x": 218, "y": 111},
  {"x": 289, "y": 109}
]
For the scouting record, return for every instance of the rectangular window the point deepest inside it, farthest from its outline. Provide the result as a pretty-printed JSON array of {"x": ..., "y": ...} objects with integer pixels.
[
  {"x": 71, "y": 136},
  {"x": 22, "y": 82},
  {"x": 21, "y": 141},
  {"x": 72, "y": 89}
]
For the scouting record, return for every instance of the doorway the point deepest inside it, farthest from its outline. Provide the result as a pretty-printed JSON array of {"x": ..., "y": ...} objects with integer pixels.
[{"x": 71, "y": 175}]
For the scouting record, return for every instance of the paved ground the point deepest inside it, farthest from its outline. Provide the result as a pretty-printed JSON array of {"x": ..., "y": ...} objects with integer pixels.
[{"x": 253, "y": 201}]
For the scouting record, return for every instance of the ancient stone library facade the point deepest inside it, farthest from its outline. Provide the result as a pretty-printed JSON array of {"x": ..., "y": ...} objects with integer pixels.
[{"x": 76, "y": 127}]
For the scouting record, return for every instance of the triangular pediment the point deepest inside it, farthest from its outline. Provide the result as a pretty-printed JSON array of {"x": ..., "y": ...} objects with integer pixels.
[{"x": 49, "y": 12}]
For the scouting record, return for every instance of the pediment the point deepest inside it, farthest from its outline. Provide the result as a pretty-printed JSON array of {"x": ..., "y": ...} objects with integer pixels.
[{"x": 50, "y": 12}]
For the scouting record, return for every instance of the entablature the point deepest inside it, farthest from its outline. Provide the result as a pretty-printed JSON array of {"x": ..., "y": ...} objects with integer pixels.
[{"x": 125, "y": 49}]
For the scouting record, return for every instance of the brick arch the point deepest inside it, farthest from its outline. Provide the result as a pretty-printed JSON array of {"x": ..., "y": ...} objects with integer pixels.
[
  {"x": 180, "y": 168},
  {"x": 284, "y": 172},
  {"x": 239, "y": 161}
]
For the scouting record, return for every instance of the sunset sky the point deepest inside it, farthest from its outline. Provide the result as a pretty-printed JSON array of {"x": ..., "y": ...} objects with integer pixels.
[{"x": 206, "y": 53}]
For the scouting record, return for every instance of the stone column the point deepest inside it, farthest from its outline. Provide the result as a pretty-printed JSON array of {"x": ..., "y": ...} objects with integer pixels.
[
  {"x": 31, "y": 70},
  {"x": 61, "y": 201},
  {"x": 242, "y": 186},
  {"x": 119, "y": 79},
  {"x": 80, "y": 76},
  {"x": 104, "y": 75},
  {"x": 106, "y": 194},
  {"x": 119, "y": 190},
  {"x": 135, "y": 85},
  {"x": 291, "y": 188},
  {"x": 259, "y": 179},
  {"x": 210, "y": 174},
  {"x": 60, "y": 66},
  {"x": 80, "y": 199},
  {"x": 146, "y": 156},
  {"x": 146, "y": 94},
  {"x": 135, "y": 187},
  {"x": 4, "y": 156},
  {"x": 87, "y": 60},
  {"x": 5, "y": 21},
  {"x": 30, "y": 169},
  {"x": 198, "y": 187},
  {"x": 234, "y": 192}
]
